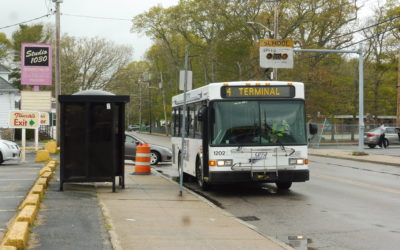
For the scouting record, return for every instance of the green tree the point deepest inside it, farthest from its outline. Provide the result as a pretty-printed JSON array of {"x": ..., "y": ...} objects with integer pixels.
[
  {"x": 130, "y": 80},
  {"x": 224, "y": 48},
  {"x": 381, "y": 62},
  {"x": 5, "y": 46},
  {"x": 90, "y": 63},
  {"x": 26, "y": 34}
]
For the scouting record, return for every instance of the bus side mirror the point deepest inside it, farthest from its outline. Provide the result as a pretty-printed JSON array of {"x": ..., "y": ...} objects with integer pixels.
[
  {"x": 313, "y": 128},
  {"x": 202, "y": 114}
]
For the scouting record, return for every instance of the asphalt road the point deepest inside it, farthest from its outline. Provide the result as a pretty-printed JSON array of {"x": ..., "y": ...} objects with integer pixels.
[
  {"x": 67, "y": 220},
  {"x": 16, "y": 179},
  {"x": 345, "y": 205}
]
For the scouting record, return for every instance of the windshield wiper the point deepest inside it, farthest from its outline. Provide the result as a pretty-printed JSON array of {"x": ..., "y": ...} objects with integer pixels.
[{"x": 284, "y": 148}]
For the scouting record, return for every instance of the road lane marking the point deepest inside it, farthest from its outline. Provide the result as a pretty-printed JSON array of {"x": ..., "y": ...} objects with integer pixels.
[{"x": 359, "y": 184}]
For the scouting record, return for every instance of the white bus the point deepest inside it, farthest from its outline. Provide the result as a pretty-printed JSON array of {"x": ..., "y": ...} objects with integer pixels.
[{"x": 243, "y": 132}]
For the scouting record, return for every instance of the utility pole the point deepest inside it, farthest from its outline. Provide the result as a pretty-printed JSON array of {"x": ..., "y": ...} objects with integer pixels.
[
  {"x": 57, "y": 90},
  {"x": 164, "y": 104},
  {"x": 398, "y": 92},
  {"x": 150, "y": 108}
]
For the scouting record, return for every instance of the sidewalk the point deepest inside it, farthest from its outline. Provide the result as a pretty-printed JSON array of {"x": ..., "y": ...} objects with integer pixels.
[
  {"x": 150, "y": 214},
  {"x": 342, "y": 154}
]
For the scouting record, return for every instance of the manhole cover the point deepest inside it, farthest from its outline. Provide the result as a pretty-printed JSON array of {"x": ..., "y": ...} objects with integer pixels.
[{"x": 249, "y": 218}]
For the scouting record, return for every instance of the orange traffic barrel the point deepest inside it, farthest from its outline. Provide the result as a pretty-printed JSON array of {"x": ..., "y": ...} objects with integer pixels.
[{"x": 142, "y": 162}]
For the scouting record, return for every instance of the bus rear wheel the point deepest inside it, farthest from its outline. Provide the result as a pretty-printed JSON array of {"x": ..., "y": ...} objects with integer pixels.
[
  {"x": 284, "y": 185},
  {"x": 200, "y": 176}
]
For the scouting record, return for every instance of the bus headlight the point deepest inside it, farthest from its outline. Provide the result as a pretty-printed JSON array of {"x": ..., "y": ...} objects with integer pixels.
[
  {"x": 220, "y": 163},
  {"x": 298, "y": 161}
]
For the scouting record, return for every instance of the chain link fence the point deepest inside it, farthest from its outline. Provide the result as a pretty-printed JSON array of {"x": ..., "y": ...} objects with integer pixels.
[{"x": 340, "y": 134}]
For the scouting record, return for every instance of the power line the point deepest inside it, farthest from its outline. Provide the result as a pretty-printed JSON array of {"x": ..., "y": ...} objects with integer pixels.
[
  {"x": 34, "y": 19},
  {"x": 96, "y": 17},
  {"x": 364, "y": 28},
  {"x": 370, "y": 37}
]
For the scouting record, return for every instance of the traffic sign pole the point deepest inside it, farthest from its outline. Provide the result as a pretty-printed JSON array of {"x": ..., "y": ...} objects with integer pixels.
[
  {"x": 36, "y": 139},
  {"x": 23, "y": 145}
]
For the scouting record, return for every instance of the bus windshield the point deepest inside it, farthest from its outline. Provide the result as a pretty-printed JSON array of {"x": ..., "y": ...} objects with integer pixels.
[{"x": 240, "y": 123}]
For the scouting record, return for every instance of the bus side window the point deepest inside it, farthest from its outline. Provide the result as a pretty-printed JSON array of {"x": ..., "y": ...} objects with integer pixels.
[
  {"x": 173, "y": 123},
  {"x": 179, "y": 122},
  {"x": 192, "y": 120},
  {"x": 197, "y": 122},
  {"x": 189, "y": 121}
]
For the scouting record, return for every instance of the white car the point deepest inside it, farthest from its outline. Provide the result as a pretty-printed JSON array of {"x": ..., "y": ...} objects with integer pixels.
[{"x": 9, "y": 151}]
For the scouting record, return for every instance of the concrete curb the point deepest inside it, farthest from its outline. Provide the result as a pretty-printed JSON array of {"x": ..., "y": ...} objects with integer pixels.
[
  {"x": 356, "y": 158},
  {"x": 111, "y": 232},
  {"x": 17, "y": 235}
]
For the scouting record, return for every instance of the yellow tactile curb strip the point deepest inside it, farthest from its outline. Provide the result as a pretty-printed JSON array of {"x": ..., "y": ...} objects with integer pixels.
[
  {"x": 30, "y": 148},
  {"x": 18, "y": 232}
]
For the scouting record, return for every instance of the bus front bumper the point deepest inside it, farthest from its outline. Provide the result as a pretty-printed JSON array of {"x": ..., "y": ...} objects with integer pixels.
[{"x": 247, "y": 176}]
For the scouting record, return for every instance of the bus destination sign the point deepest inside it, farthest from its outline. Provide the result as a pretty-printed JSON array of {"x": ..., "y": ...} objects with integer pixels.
[{"x": 287, "y": 91}]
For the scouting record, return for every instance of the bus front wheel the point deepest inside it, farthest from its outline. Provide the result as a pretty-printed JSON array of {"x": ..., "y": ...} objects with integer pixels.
[
  {"x": 200, "y": 176},
  {"x": 284, "y": 185}
]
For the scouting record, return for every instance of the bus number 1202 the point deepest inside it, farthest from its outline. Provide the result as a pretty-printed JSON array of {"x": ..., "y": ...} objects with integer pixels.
[{"x": 219, "y": 152}]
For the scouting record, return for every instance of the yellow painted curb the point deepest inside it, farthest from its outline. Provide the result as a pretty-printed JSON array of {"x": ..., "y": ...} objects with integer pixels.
[
  {"x": 51, "y": 146},
  {"x": 31, "y": 148},
  {"x": 38, "y": 189},
  {"x": 7, "y": 248},
  {"x": 42, "y": 181},
  {"x": 47, "y": 175},
  {"x": 45, "y": 169},
  {"x": 28, "y": 214},
  {"x": 18, "y": 235},
  {"x": 42, "y": 155},
  {"x": 51, "y": 165},
  {"x": 31, "y": 199}
]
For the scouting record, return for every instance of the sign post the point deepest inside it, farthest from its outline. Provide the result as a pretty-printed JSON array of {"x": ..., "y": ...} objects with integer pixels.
[
  {"x": 36, "y": 70},
  {"x": 276, "y": 53}
]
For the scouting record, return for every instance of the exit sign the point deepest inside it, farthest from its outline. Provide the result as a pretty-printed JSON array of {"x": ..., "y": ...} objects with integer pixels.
[{"x": 24, "y": 119}]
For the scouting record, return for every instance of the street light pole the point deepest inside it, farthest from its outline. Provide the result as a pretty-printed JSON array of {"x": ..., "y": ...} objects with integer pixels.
[
  {"x": 276, "y": 20},
  {"x": 183, "y": 128},
  {"x": 140, "y": 106}
]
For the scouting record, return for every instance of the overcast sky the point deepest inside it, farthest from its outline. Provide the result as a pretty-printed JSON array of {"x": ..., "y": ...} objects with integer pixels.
[{"x": 15, "y": 11}]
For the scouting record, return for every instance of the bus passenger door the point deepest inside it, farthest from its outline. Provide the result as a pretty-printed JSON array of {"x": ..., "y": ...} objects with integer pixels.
[{"x": 203, "y": 118}]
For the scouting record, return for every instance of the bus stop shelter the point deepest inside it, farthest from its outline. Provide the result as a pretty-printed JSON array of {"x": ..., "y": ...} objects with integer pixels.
[{"x": 92, "y": 137}]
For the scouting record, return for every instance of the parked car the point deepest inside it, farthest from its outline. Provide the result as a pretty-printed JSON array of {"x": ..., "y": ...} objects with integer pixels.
[
  {"x": 133, "y": 127},
  {"x": 392, "y": 136},
  {"x": 9, "y": 151},
  {"x": 157, "y": 153}
]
